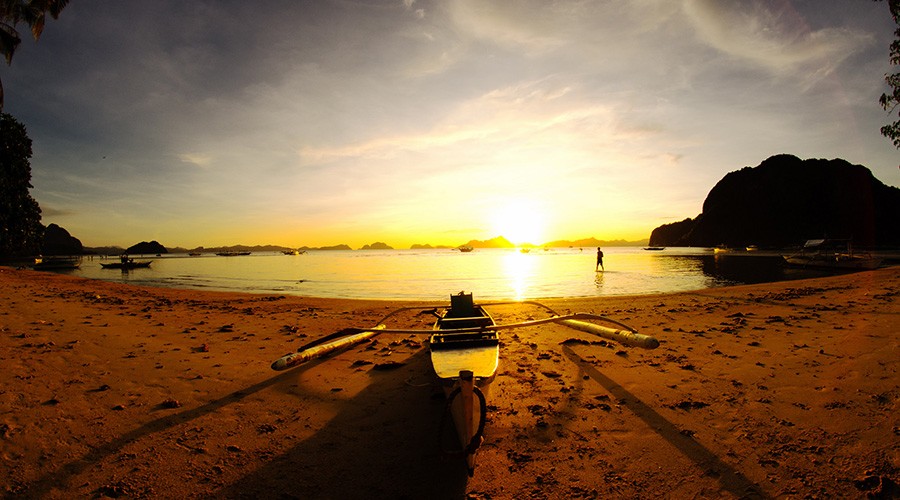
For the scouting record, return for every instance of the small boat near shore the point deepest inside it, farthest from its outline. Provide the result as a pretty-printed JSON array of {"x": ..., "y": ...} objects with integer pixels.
[
  {"x": 464, "y": 346},
  {"x": 654, "y": 249},
  {"x": 130, "y": 264},
  {"x": 56, "y": 263},
  {"x": 465, "y": 364},
  {"x": 831, "y": 254}
]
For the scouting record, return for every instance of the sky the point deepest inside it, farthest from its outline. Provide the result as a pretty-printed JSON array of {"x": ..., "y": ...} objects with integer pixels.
[{"x": 316, "y": 123}]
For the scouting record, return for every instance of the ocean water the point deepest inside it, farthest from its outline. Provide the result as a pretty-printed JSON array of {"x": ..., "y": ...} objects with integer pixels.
[{"x": 495, "y": 274}]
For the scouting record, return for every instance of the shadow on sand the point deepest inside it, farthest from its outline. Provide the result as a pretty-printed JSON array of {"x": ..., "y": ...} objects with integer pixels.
[
  {"x": 382, "y": 443},
  {"x": 730, "y": 479}
]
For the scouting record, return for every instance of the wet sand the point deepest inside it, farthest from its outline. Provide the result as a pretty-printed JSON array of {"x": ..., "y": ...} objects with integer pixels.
[{"x": 777, "y": 390}]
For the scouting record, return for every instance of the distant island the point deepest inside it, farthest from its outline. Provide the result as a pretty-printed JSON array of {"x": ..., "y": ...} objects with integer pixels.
[
  {"x": 378, "y": 245},
  {"x": 426, "y": 246},
  {"x": 153, "y": 247},
  {"x": 147, "y": 248}
]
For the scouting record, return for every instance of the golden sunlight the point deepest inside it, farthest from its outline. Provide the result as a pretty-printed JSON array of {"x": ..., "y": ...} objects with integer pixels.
[
  {"x": 520, "y": 222},
  {"x": 519, "y": 270}
]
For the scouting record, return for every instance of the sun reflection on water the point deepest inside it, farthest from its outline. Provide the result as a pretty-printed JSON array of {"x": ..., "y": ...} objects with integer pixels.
[{"x": 519, "y": 271}]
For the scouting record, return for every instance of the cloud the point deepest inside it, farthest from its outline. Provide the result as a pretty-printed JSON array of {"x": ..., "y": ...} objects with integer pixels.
[
  {"x": 198, "y": 159},
  {"x": 48, "y": 211},
  {"x": 516, "y": 24},
  {"x": 778, "y": 40}
]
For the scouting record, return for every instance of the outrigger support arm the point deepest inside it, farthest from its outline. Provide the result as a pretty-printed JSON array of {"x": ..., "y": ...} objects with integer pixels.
[
  {"x": 626, "y": 335},
  {"x": 296, "y": 358},
  {"x": 338, "y": 340}
]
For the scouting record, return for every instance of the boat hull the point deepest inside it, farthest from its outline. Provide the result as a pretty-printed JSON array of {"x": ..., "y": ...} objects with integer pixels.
[
  {"x": 465, "y": 365},
  {"x": 56, "y": 263},
  {"x": 837, "y": 262},
  {"x": 125, "y": 266}
]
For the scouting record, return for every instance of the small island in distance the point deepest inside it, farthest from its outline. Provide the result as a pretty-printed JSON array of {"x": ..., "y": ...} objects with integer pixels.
[{"x": 498, "y": 242}]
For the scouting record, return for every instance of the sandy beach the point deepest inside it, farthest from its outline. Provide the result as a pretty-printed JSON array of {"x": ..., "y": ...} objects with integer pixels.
[{"x": 786, "y": 389}]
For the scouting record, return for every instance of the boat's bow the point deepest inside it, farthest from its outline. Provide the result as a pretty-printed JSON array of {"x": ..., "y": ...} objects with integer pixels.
[{"x": 465, "y": 364}]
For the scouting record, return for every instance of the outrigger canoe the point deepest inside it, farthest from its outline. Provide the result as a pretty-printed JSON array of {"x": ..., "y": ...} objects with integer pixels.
[
  {"x": 465, "y": 351},
  {"x": 126, "y": 265}
]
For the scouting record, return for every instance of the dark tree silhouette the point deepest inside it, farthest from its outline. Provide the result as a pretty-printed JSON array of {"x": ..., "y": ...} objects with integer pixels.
[
  {"x": 890, "y": 100},
  {"x": 30, "y": 12},
  {"x": 21, "y": 231}
]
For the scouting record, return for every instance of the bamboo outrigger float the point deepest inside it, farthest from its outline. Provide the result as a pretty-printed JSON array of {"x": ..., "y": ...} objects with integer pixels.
[{"x": 465, "y": 351}]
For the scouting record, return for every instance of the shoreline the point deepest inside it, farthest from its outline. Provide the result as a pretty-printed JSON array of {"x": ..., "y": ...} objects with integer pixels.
[{"x": 776, "y": 389}]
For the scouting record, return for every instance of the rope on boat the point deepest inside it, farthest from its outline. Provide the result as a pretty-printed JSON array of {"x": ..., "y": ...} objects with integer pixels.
[{"x": 478, "y": 437}]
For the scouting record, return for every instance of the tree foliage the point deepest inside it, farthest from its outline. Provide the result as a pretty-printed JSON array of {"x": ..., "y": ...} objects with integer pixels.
[
  {"x": 21, "y": 231},
  {"x": 33, "y": 13},
  {"x": 890, "y": 100}
]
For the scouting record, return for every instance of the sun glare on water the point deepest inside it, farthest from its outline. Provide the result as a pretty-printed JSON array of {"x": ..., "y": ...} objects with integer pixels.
[{"x": 519, "y": 222}]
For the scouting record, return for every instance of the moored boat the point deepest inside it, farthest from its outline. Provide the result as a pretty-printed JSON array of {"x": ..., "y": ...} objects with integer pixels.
[
  {"x": 464, "y": 348},
  {"x": 131, "y": 264},
  {"x": 465, "y": 364},
  {"x": 56, "y": 263},
  {"x": 831, "y": 254},
  {"x": 654, "y": 249}
]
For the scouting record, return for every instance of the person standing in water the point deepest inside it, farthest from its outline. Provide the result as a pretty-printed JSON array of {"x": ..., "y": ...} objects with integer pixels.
[{"x": 599, "y": 260}]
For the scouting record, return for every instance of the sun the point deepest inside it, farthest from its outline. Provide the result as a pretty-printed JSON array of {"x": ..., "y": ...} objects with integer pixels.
[{"x": 520, "y": 222}]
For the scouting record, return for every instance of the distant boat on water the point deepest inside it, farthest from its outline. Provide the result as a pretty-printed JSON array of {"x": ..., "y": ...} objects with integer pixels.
[
  {"x": 654, "y": 249},
  {"x": 831, "y": 254},
  {"x": 194, "y": 254},
  {"x": 294, "y": 252},
  {"x": 232, "y": 254},
  {"x": 465, "y": 248}
]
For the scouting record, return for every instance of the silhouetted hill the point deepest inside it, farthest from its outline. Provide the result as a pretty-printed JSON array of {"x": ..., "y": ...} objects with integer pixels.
[
  {"x": 378, "y": 245},
  {"x": 58, "y": 241},
  {"x": 147, "y": 248},
  {"x": 111, "y": 250},
  {"x": 342, "y": 246},
  {"x": 233, "y": 248},
  {"x": 786, "y": 200},
  {"x": 498, "y": 242},
  {"x": 594, "y": 242}
]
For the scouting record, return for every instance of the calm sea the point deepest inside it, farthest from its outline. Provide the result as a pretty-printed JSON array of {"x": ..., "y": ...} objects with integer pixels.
[{"x": 496, "y": 274}]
